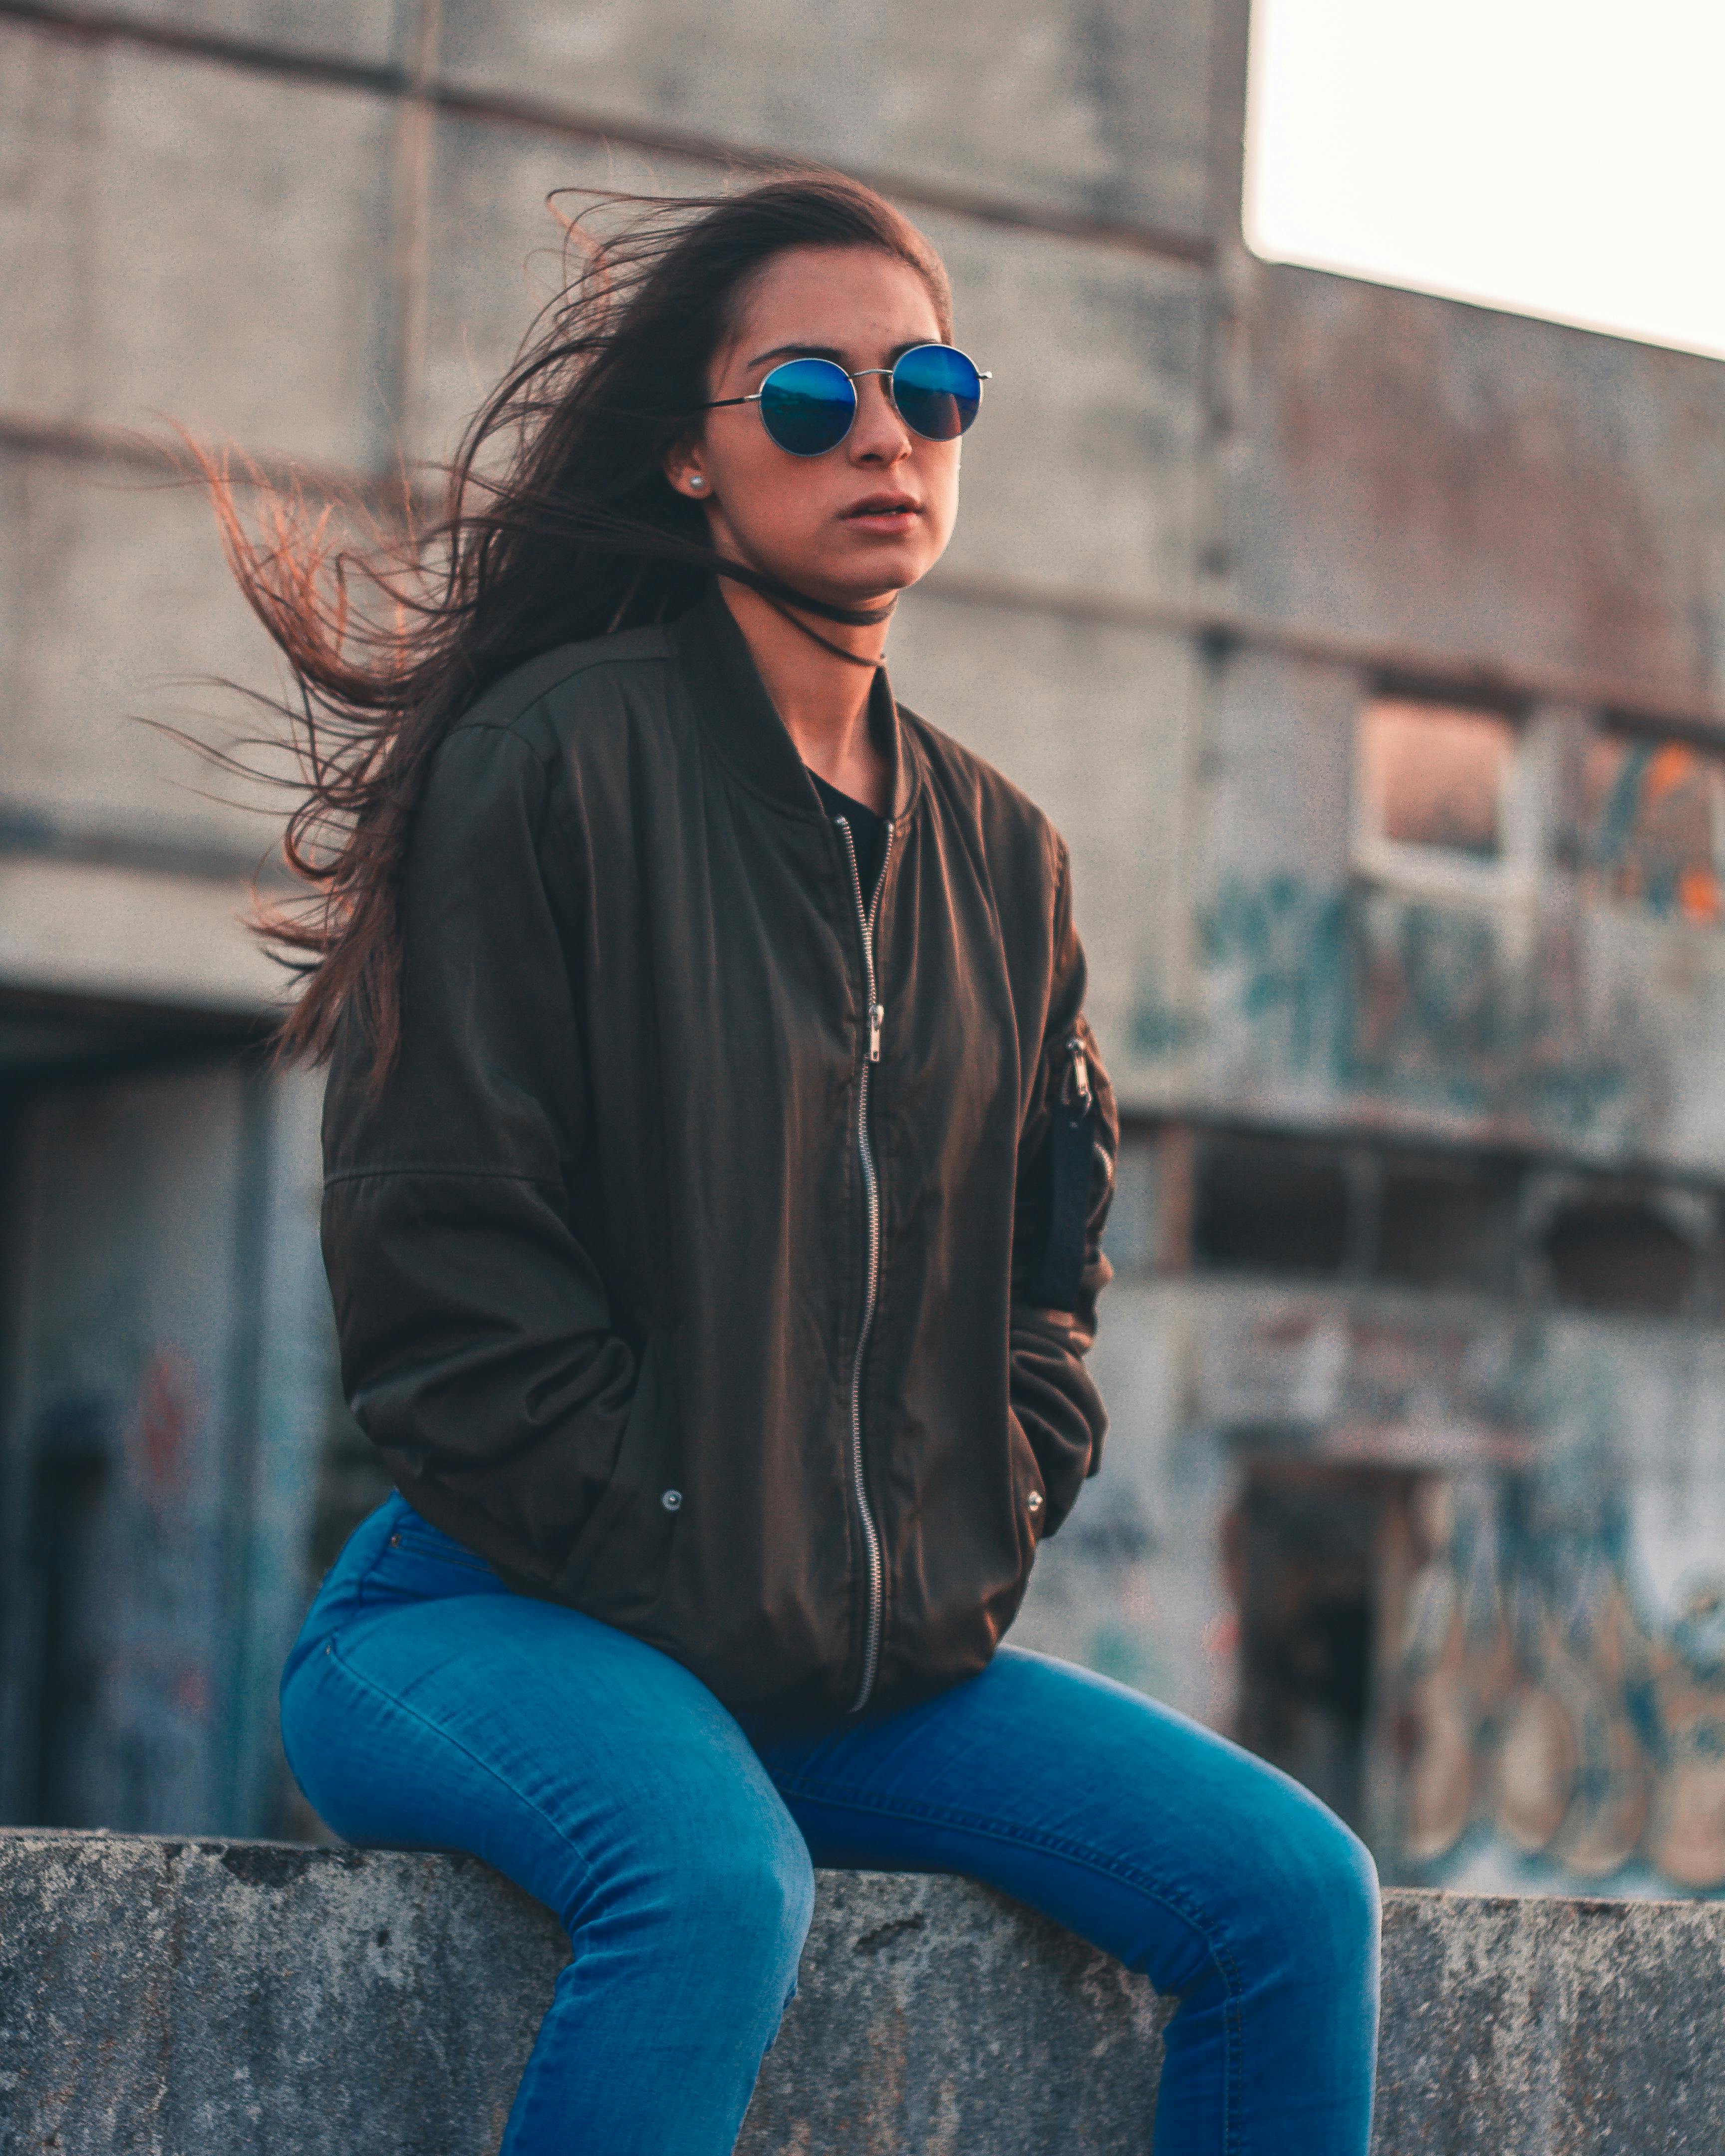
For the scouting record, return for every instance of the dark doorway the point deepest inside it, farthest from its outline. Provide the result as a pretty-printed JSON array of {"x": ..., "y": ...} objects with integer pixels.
[{"x": 1313, "y": 1554}]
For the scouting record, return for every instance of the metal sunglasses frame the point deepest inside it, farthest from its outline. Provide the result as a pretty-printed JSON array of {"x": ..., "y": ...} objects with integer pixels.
[{"x": 720, "y": 403}]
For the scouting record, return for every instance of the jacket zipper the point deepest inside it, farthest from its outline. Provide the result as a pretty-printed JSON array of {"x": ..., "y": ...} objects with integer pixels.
[
  {"x": 1075, "y": 1085},
  {"x": 871, "y": 1188}
]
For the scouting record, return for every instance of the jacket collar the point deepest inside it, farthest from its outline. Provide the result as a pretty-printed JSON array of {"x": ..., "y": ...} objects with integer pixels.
[{"x": 744, "y": 725}]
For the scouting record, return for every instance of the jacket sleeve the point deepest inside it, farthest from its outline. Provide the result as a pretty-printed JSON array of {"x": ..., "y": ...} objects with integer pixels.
[
  {"x": 478, "y": 1346},
  {"x": 1053, "y": 1396}
]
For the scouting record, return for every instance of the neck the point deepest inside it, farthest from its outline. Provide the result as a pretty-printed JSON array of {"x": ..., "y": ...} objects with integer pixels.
[{"x": 822, "y": 697}]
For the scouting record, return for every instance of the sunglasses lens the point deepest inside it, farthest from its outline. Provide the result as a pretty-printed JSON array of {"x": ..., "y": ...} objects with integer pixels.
[
  {"x": 936, "y": 391},
  {"x": 808, "y": 405}
]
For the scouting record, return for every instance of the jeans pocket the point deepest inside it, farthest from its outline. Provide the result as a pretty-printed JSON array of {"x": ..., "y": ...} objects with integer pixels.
[
  {"x": 432, "y": 1542},
  {"x": 418, "y": 1562}
]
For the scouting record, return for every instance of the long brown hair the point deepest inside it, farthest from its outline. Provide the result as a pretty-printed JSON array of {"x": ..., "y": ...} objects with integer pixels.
[{"x": 558, "y": 524}]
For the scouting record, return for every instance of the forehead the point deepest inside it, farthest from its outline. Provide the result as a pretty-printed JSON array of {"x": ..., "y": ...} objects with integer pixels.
[{"x": 855, "y": 300}]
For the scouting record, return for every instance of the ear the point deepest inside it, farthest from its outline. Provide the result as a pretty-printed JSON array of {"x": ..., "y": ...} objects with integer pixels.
[{"x": 683, "y": 468}]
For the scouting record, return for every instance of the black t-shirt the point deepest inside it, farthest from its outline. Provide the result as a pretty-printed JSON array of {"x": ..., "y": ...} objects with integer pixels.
[{"x": 868, "y": 832}]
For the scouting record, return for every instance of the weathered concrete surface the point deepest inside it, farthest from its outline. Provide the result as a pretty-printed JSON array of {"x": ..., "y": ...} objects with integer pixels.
[
  {"x": 1525, "y": 2027},
  {"x": 1462, "y": 481},
  {"x": 115, "y": 605},
  {"x": 936, "y": 2019},
  {"x": 349, "y": 29},
  {"x": 196, "y": 241},
  {"x": 164, "y": 1998},
  {"x": 1100, "y": 109}
]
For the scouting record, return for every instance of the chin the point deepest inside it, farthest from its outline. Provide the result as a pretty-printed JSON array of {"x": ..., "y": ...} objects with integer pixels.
[{"x": 869, "y": 573}]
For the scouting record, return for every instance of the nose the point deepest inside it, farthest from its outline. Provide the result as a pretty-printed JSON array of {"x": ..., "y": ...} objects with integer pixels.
[{"x": 878, "y": 436}]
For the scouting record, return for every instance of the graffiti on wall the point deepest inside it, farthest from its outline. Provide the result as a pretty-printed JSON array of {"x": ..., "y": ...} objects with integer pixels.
[
  {"x": 1365, "y": 991},
  {"x": 124, "y": 1590},
  {"x": 1654, "y": 815},
  {"x": 1545, "y": 1508},
  {"x": 1537, "y": 1704}
]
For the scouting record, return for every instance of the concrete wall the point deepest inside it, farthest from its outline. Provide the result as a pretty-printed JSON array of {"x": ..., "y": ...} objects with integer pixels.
[
  {"x": 167, "y": 1343},
  {"x": 194, "y": 1997},
  {"x": 1213, "y": 508},
  {"x": 1483, "y": 490},
  {"x": 1185, "y": 454}
]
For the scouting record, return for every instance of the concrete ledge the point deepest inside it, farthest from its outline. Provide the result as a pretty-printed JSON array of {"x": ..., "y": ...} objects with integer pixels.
[{"x": 163, "y": 1998}]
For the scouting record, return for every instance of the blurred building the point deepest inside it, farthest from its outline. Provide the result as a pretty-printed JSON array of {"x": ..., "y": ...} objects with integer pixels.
[{"x": 1370, "y": 650}]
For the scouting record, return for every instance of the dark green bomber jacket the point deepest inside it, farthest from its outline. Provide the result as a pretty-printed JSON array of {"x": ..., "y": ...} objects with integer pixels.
[{"x": 654, "y": 1286}]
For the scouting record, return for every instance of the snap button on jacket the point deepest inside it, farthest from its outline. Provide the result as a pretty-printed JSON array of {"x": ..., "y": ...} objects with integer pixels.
[{"x": 615, "y": 1299}]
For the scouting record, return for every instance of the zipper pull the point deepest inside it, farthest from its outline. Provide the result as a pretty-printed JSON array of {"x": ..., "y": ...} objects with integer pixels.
[
  {"x": 877, "y": 1012},
  {"x": 1076, "y": 1085}
]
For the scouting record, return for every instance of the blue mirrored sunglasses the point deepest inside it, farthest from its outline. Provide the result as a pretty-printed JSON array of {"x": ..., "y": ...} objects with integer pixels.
[{"x": 808, "y": 405}]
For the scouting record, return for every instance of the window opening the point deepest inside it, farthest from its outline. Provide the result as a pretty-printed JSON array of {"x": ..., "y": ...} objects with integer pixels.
[
  {"x": 1268, "y": 1205},
  {"x": 1607, "y": 1254},
  {"x": 1655, "y": 824},
  {"x": 1314, "y": 1557},
  {"x": 1294, "y": 1207},
  {"x": 1437, "y": 776},
  {"x": 1446, "y": 1224}
]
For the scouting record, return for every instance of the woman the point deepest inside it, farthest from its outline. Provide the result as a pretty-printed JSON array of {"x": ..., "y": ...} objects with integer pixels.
[{"x": 717, "y": 1157}]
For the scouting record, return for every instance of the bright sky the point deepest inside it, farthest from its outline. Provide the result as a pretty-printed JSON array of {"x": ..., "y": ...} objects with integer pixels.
[{"x": 1558, "y": 157}]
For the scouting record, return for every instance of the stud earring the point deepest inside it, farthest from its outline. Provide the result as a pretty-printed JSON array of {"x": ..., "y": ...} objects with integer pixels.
[{"x": 695, "y": 482}]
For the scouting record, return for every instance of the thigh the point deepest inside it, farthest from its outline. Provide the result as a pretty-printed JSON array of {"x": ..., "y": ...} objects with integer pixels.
[
  {"x": 1129, "y": 1824},
  {"x": 567, "y": 1755}
]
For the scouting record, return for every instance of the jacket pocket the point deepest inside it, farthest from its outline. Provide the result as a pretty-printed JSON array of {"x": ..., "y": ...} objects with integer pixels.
[
  {"x": 617, "y": 1564},
  {"x": 1029, "y": 1493},
  {"x": 1074, "y": 1156}
]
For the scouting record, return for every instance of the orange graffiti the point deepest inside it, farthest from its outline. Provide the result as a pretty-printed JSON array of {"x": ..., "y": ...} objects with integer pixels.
[{"x": 1671, "y": 766}]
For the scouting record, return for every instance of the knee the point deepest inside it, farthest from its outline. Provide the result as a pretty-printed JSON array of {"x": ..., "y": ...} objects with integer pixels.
[
  {"x": 753, "y": 1900},
  {"x": 734, "y": 1890},
  {"x": 1347, "y": 1888},
  {"x": 1321, "y": 1886}
]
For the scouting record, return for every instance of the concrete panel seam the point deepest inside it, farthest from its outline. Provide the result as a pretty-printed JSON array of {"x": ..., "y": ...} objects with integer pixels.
[
  {"x": 1194, "y": 249},
  {"x": 1498, "y": 680}
]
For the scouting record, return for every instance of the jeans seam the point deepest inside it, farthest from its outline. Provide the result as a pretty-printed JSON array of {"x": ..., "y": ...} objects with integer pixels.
[
  {"x": 432, "y": 1555},
  {"x": 449, "y": 1737},
  {"x": 1111, "y": 1867},
  {"x": 363, "y": 1580}
]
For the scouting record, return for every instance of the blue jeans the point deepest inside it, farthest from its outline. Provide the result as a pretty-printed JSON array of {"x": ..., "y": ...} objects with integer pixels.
[{"x": 426, "y": 1704}]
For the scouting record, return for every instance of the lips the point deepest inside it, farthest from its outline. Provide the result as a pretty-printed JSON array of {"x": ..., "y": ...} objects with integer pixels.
[{"x": 886, "y": 504}]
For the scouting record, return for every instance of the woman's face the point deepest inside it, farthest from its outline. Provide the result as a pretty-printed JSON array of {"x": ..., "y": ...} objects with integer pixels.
[{"x": 859, "y": 521}]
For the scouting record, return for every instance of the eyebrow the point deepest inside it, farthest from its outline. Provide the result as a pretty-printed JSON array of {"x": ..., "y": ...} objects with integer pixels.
[{"x": 827, "y": 351}]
